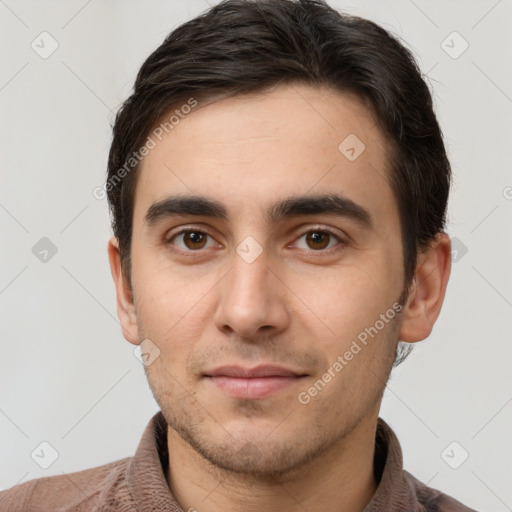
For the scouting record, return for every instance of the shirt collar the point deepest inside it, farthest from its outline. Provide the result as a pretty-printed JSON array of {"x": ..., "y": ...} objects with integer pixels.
[{"x": 146, "y": 472}]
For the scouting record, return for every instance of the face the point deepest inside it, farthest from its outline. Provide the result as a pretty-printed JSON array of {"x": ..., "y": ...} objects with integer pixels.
[{"x": 274, "y": 303}]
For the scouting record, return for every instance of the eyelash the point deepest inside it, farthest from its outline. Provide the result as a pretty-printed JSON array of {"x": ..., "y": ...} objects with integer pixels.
[{"x": 191, "y": 229}]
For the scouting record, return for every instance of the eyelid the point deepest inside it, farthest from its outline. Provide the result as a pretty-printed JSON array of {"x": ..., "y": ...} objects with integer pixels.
[{"x": 168, "y": 236}]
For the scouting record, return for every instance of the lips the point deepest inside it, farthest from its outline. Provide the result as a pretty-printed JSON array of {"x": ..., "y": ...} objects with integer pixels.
[
  {"x": 248, "y": 373},
  {"x": 253, "y": 383}
]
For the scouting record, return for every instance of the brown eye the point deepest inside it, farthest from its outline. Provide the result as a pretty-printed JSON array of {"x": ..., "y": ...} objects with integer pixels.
[
  {"x": 192, "y": 240},
  {"x": 317, "y": 239}
]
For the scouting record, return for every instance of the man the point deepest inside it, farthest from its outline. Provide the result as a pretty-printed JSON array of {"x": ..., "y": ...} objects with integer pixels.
[{"x": 278, "y": 186}]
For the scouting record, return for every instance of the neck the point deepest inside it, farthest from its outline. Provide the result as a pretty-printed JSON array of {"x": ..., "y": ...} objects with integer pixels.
[{"x": 341, "y": 478}]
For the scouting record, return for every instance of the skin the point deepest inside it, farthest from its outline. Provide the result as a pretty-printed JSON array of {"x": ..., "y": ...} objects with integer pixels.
[{"x": 298, "y": 304}]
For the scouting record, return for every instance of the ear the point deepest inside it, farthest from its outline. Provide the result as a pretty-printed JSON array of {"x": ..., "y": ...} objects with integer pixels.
[
  {"x": 427, "y": 291},
  {"x": 125, "y": 306}
]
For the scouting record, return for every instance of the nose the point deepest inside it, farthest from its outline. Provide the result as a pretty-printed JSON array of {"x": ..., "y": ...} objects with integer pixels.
[{"x": 252, "y": 300}]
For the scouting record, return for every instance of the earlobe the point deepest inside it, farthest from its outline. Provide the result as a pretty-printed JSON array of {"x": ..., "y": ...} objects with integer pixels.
[
  {"x": 124, "y": 296},
  {"x": 427, "y": 291}
]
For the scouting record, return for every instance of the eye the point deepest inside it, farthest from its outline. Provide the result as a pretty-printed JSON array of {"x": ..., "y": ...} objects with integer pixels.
[
  {"x": 318, "y": 240},
  {"x": 192, "y": 240}
]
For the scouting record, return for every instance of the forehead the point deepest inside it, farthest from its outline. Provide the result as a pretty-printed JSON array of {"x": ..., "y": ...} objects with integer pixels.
[{"x": 250, "y": 151}]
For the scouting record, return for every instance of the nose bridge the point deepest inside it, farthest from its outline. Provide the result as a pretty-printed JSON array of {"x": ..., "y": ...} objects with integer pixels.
[
  {"x": 249, "y": 299},
  {"x": 248, "y": 283},
  {"x": 250, "y": 268}
]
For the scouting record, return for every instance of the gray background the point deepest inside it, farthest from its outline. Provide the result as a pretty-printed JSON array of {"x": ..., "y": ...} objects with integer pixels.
[{"x": 68, "y": 377}]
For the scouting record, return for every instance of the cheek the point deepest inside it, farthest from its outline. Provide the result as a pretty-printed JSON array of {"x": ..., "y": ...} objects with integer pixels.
[
  {"x": 348, "y": 300},
  {"x": 171, "y": 301}
]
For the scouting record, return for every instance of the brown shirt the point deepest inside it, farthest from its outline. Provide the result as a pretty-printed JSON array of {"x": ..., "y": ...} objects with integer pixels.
[{"x": 138, "y": 484}]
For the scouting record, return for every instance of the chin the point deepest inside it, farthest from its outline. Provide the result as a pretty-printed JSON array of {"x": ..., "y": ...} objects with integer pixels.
[
  {"x": 252, "y": 458},
  {"x": 246, "y": 448}
]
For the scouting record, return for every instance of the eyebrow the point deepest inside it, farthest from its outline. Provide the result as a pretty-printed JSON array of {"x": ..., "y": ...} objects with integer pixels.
[{"x": 328, "y": 204}]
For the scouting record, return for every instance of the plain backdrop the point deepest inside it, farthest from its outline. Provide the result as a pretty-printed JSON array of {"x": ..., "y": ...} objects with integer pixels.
[{"x": 68, "y": 377}]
